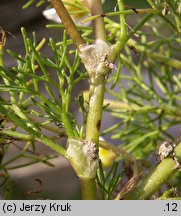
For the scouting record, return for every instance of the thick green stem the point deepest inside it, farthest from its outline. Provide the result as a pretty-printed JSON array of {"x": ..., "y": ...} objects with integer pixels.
[
  {"x": 88, "y": 186},
  {"x": 155, "y": 178},
  {"x": 123, "y": 33},
  {"x": 98, "y": 24},
  {"x": 95, "y": 110},
  {"x": 88, "y": 189},
  {"x": 97, "y": 89}
]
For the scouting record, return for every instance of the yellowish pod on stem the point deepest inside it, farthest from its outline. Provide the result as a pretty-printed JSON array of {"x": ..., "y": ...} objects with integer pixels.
[{"x": 107, "y": 157}]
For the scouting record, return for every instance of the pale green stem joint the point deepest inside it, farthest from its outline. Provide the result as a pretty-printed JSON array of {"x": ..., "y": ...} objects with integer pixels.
[{"x": 156, "y": 178}]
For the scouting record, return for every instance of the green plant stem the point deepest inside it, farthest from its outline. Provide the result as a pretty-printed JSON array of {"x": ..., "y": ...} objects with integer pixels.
[
  {"x": 1, "y": 54},
  {"x": 88, "y": 186},
  {"x": 18, "y": 135},
  {"x": 71, "y": 133},
  {"x": 95, "y": 111},
  {"x": 110, "y": 14},
  {"x": 6, "y": 81},
  {"x": 178, "y": 24},
  {"x": 97, "y": 89},
  {"x": 88, "y": 189},
  {"x": 68, "y": 22},
  {"x": 98, "y": 24},
  {"x": 116, "y": 48},
  {"x": 155, "y": 178},
  {"x": 151, "y": 3},
  {"x": 123, "y": 33},
  {"x": 83, "y": 156},
  {"x": 60, "y": 131}
]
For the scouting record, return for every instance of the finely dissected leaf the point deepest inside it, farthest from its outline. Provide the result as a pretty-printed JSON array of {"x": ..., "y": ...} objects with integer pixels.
[{"x": 108, "y": 181}]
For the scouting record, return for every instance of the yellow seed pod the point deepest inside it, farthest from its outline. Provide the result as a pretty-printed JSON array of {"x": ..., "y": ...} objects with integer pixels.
[{"x": 107, "y": 157}]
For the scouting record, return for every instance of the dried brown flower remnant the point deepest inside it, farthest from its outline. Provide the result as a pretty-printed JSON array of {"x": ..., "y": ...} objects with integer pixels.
[{"x": 166, "y": 149}]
